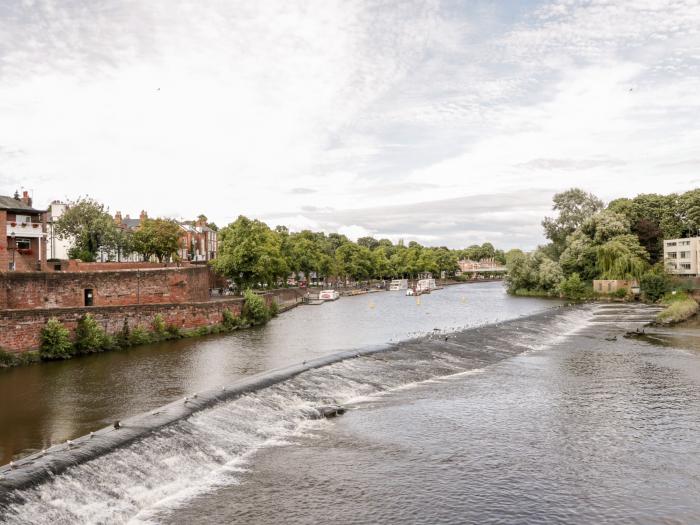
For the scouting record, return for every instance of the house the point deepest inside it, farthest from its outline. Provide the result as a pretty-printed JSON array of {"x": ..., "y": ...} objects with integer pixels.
[
  {"x": 198, "y": 241},
  {"x": 484, "y": 265},
  {"x": 22, "y": 234},
  {"x": 681, "y": 256}
]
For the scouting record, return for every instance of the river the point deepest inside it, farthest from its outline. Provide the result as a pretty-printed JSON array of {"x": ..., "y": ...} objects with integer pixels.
[{"x": 533, "y": 414}]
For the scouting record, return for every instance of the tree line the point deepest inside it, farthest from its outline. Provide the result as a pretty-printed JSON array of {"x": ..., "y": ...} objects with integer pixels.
[
  {"x": 588, "y": 240},
  {"x": 251, "y": 253}
]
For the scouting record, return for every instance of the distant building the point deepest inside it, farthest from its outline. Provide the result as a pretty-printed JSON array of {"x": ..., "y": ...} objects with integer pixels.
[
  {"x": 198, "y": 241},
  {"x": 609, "y": 286},
  {"x": 22, "y": 234},
  {"x": 681, "y": 256},
  {"x": 484, "y": 265}
]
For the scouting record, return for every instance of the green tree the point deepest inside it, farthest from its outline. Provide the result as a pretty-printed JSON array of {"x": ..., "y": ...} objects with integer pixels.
[
  {"x": 89, "y": 335},
  {"x": 574, "y": 206},
  {"x": 250, "y": 253},
  {"x": 622, "y": 258},
  {"x": 89, "y": 227},
  {"x": 157, "y": 237}
]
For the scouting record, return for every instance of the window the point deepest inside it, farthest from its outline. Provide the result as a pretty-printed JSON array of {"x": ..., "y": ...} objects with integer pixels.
[
  {"x": 23, "y": 244},
  {"x": 685, "y": 255},
  {"x": 89, "y": 298},
  {"x": 684, "y": 243},
  {"x": 672, "y": 255},
  {"x": 685, "y": 266},
  {"x": 21, "y": 219},
  {"x": 670, "y": 243}
]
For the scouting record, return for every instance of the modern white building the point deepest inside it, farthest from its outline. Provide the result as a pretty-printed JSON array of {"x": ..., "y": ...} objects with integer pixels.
[
  {"x": 56, "y": 248},
  {"x": 681, "y": 256}
]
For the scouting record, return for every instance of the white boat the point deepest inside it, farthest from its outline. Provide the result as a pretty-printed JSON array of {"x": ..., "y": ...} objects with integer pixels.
[
  {"x": 328, "y": 295},
  {"x": 410, "y": 292},
  {"x": 426, "y": 283},
  {"x": 398, "y": 284}
]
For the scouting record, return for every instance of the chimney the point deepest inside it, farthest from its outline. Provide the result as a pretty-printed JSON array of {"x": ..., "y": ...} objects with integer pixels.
[
  {"x": 118, "y": 218},
  {"x": 143, "y": 216},
  {"x": 26, "y": 199}
]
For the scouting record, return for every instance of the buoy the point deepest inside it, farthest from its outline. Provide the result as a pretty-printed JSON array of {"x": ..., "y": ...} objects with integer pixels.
[
  {"x": 418, "y": 300},
  {"x": 117, "y": 425}
]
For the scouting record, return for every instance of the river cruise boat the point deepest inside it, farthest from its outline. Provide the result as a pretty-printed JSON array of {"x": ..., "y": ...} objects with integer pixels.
[
  {"x": 398, "y": 284},
  {"x": 328, "y": 295},
  {"x": 425, "y": 283}
]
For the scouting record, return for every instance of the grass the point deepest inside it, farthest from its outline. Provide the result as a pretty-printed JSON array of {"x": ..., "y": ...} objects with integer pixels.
[{"x": 679, "y": 307}]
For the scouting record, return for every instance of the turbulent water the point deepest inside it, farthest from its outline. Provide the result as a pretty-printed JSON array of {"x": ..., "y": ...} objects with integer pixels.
[{"x": 537, "y": 419}]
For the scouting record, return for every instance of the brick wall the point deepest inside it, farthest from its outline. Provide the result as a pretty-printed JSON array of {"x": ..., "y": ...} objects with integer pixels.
[
  {"x": 20, "y": 329},
  {"x": 4, "y": 261},
  {"x": 125, "y": 287},
  {"x": 80, "y": 266}
]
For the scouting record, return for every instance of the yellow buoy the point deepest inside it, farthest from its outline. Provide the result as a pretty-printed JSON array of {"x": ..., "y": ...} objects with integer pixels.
[
  {"x": 464, "y": 299},
  {"x": 418, "y": 300}
]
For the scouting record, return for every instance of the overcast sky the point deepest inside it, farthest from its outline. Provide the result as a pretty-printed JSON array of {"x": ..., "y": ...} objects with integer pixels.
[{"x": 447, "y": 122}]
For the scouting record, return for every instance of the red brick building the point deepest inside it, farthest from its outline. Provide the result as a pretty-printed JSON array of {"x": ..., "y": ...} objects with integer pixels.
[{"x": 22, "y": 234}]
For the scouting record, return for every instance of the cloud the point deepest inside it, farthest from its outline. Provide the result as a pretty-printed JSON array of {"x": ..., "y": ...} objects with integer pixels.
[{"x": 302, "y": 191}]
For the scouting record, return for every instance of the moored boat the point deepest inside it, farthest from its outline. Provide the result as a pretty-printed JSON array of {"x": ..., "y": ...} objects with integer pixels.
[{"x": 328, "y": 295}]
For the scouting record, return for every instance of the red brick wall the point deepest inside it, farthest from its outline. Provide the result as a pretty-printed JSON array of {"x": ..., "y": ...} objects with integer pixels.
[
  {"x": 4, "y": 261},
  {"x": 20, "y": 329},
  {"x": 80, "y": 266},
  {"x": 126, "y": 287}
]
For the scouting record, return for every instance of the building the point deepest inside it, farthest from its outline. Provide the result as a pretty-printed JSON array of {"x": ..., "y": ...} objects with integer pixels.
[
  {"x": 22, "y": 234},
  {"x": 484, "y": 265},
  {"x": 610, "y": 286},
  {"x": 681, "y": 256},
  {"x": 57, "y": 248},
  {"x": 198, "y": 241}
]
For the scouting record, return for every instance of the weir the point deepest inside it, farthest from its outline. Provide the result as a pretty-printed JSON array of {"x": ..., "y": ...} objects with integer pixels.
[{"x": 188, "y": 446}]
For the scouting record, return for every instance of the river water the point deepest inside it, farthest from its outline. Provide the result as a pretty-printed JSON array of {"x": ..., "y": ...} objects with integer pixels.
[{"x": 538, "y": 418}]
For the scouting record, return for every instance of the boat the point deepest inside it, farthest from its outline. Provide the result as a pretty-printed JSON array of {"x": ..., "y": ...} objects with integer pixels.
[
  {"x": 398, "y": 284},
  {"x": 328, "y": 295},
  {"x": 425, "y": 283},
  {"x": 410, "y": 292}
]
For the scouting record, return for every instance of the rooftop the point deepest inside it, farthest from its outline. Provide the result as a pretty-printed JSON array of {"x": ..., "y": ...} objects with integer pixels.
[{"x": 10, "y": 203}]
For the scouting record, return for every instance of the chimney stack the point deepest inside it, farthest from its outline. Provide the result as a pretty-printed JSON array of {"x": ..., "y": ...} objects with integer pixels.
[
  {"x": 118, "y": 218},
  {"x": 26, "y": 199},
  {"x": 143, "y": 216}
]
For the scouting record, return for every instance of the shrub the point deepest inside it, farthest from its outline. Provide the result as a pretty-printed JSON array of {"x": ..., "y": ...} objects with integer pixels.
[
  {"x": 620, "y": 293},
  {"x": 7, "y": 359},
  {"x": 89, "y": 335},
  {"x": 173, "y": 331},
  {"x": 254, "y": 309},
  {"x": 158, "y": 325},
  {"x": 55, "y": 341},
  {"x": 653, "y": 286},
  {"x": 139, "y": 336},
  {"x": 574, "y": 288},
  {"x": 274, "y": 308},
  {"x": 123, "y": 338},
  {"x": 230, "y": 321}
]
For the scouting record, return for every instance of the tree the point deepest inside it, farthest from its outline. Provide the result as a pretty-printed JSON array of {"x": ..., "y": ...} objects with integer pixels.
[
  {"x": 574, "y": 207},
  {"x": 622, "y": 258},
  {"x": 250, "y": 253},
  {"x": 157, "y": 237},
  {"x": 89, "y": 227},
  {"x": 368, "y": 242}
]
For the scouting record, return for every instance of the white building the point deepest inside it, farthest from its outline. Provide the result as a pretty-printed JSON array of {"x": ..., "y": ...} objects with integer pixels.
[
  {"x": 56, "y": 248},
  {"x": 681, "y": 256}
]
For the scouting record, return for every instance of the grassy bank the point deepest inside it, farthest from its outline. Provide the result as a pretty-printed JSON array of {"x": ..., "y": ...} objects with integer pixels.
[{"x": 679, "y": 307}]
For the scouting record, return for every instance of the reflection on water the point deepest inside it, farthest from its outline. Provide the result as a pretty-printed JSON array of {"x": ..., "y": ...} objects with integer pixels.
[{"x": 52, "y": 402}]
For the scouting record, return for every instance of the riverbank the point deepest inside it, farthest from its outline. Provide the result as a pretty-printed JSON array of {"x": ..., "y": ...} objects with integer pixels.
[{"x": 679, "y": 307}]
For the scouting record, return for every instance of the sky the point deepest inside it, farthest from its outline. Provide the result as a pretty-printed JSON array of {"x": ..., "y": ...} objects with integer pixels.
[{"x": 446, "y": 122}]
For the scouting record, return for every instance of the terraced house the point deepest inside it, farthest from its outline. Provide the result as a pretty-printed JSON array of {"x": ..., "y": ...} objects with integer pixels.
[{"x": 22, "y": 234}]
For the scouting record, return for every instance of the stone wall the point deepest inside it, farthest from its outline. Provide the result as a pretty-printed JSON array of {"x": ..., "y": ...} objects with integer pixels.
[
  {"x": 20, "y": 329},
  {"x": 112, "y": 288}
]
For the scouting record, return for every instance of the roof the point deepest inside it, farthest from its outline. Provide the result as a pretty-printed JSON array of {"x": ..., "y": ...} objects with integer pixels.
[
  {"x": 131, "y": 223},
  {"x": 10, "y": 203}
]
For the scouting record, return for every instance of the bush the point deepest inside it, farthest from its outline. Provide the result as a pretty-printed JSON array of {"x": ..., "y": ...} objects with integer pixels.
[
  {"x": 173, "y": 331},
  {"x": 158, "y": 325},
  {"x": 123, "y": 339},
  {"x": 274, "y": 308},
  {"x": 89, "y": 335},
  {"x": 7, "y": 359},
  {"x": 653, "y": 286},
  {"x": 230, "y": 321},
  {"x": 574, "y": 288},
  {"x": 620, "y": 293},
  {"x": 139, "y": 336},
  {"x": 255, "y": 311},
  {"x": 55, "y": 341}
]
